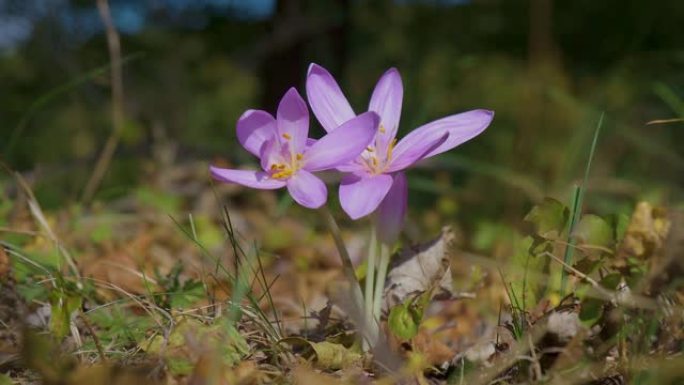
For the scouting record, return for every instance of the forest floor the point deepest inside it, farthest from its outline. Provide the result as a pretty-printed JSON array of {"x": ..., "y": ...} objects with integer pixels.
[{"x": 222, "y": 286}]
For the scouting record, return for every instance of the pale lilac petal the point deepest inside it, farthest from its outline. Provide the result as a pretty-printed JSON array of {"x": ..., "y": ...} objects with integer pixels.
[
  {"x": 410, "y": 151},
  {"x": 386, "y": 101},
  {"x": 461, "y": 128},
  {"x": 307, "y": 190},
  {"x": 269, "y": 154},
  {"x": 254, "y": 179},
  {"x": 360, "y": 195},
  {"x": 353, "y": 167},
  {"x": 392, "y": 210},
  {"x": 343, "y": 144},
  {"x": 254, "y": 128},
  {"x": 293, "y": 120},
  {"x": 326, "y": 99}
]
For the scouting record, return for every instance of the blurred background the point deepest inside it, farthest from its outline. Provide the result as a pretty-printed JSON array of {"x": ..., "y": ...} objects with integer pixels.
[{"x": 190, "y": 68}]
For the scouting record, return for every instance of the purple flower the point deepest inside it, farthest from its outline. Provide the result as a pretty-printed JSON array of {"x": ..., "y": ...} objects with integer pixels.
[
  {"x": 288, "y": 157},
  {"x": 375, "y": 179}
]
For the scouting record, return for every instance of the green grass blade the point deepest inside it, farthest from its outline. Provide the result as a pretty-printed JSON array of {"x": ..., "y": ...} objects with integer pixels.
[{"x": 577, "y": 198}]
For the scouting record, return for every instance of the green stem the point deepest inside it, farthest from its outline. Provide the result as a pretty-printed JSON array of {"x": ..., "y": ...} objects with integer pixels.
[
  {"x": 380, "y": 282},
  {"x": 570, "y": 247},
  {"x": 370, "y": 279},
  {"x": 347, "y": 266}
]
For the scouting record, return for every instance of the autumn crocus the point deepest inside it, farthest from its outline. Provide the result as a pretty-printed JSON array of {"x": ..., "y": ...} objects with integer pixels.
[
  {"x": 288, "y": 157},
  {"x": 375, "y": 179}
]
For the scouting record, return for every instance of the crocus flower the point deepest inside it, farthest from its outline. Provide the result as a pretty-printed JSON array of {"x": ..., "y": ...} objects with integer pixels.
[
  {"x": 375, "y": 179},
  {"x": 288, "y": 157}
]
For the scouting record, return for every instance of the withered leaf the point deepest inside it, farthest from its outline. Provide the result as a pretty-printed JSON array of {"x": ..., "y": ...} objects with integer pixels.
[
  {"x": 646, "y": 233},
  {"x": 419, "y": 269}
]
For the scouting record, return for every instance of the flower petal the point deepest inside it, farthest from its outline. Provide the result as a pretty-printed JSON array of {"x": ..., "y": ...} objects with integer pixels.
[
  {"x": 254, "y": 179},
  {"x": 343, "y": 144},
  {"x": 326, "y": 99},
  {"x": 411, "y": 150},
  {"x": 268, "y": 155},
  {"x": 386, "y": 101},
  {"x": 461, "y": 127},
  {"x": 293, "y": 120},
  {"x": 352, "y": 167},
  {"x": 307, "y": 190},
  {"x": 392, "y": 210},
  {"x": 254, "y": 128},
  {"x": 360, "y": 195}
]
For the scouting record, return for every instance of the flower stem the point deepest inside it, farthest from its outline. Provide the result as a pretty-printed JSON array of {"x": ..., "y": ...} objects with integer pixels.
[
  {"x": 380, "y": 282},
  {"x": 347, "y": 266},
  {"x": 368, "y": 292}
]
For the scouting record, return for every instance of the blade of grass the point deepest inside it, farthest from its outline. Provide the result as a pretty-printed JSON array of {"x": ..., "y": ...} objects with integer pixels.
[
  {"x": 577, "y": 198},
  {"x": 669, "y": 97},
  {"x": 570, "y": 248},
  {"x": 271, "y": 332}
]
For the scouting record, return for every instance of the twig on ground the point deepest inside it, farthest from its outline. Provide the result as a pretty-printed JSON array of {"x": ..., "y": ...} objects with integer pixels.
[{"x": 96, "y": 340}]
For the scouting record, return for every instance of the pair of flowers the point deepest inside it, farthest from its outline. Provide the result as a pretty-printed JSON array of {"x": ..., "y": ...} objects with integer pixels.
[{"x": 364, "y": 147}]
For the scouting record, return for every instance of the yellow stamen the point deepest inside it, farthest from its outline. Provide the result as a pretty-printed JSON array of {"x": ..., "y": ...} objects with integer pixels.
[
  {"x": 390, "y": 148},
  {"x": 287, "y": 136},
  {"x": 369, "y": 149},
  {"x": 273, "y": 167},
  {"x": 282, "y": 174},
  {"x": 374, "y": 160},
  {"x": 381, "y": 129},
  {"x": 299, "y": 156}
]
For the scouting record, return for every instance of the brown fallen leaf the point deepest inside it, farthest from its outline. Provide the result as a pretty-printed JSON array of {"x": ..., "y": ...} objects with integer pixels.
[
  {"x": 302, "y": 375},
  {"x": 4, "y": 264},
  {"x": 645, "y": 236},
  {"x": 435, "y": 351},
  {"x": 421, "y": 268}
]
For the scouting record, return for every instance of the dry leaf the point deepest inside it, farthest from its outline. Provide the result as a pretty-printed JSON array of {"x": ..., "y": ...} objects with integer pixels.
[
  {"x": 4, "y": 264},
  {"x": 302, "y": 375},
  {"x": 646, "y": 233},
  {"x": 419, "y": 269},
  {"x": 332, "y": 356},
  {"x": 436, "y": 352}
]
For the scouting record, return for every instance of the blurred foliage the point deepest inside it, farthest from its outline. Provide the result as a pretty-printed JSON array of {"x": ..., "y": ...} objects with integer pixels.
[{"x": 547, "y": 68}]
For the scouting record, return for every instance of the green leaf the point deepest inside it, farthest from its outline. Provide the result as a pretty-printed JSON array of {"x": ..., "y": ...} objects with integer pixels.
[
  {"x": 611, "y": 281},
  {"x": 31, "y": 291},
  {"x": 595, "y": 231},
  {"x": 549, "y": 218},
  {"x": 332, "y": 356},
  {"x": 526, "y": 271},
  {"x": 404, "y": 320},
  {"x": 5, "y": 379},
  {"x": 62, "y": 306},
  {"x": 119, "y": 327},
  {"x": 591, "y": 310},
  {"x": 191, "y": 292}
]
